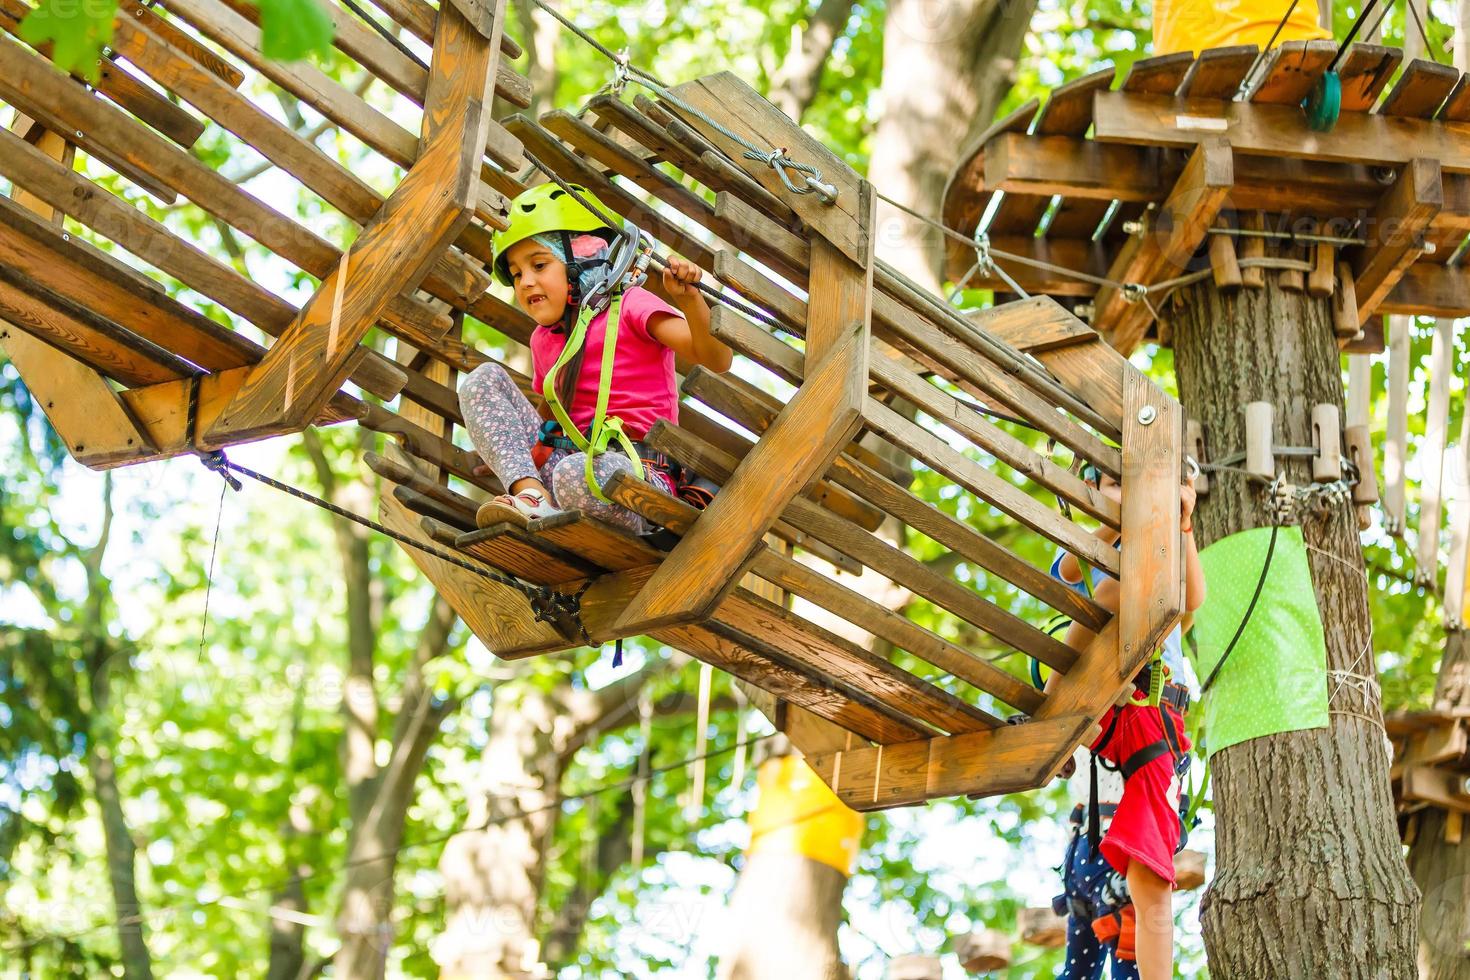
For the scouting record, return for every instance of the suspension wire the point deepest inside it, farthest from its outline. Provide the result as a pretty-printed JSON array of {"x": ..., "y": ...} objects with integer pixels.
[
  {"x": 775, "y": 157},
  {"x": 1423, "y": 34},
  {"x": 219, "y": 518},
  {"x": 519, "y": 813},
  {"x": 386, "y": 34}
]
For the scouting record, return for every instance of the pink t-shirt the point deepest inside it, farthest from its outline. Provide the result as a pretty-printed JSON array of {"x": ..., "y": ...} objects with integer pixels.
[{"x": 642, "y": 390}]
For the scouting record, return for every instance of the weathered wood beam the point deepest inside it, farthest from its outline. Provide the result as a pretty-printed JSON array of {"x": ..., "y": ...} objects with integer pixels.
[
  {"x": 1429, "y": 289},
  {"x": 1395, "y": 233},
  {"x": 1275, "y": 130},
  {"x": 1016, "y": 757},
  {"x": 740, "y": 108},
  {"x": 423, "y": 216},
  {"x": 810, "y": 432},
  {"x": 1166, "y": 245}
]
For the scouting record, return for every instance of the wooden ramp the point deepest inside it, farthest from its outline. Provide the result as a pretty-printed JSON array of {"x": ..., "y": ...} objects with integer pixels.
[{"x": 881, "y": 383}]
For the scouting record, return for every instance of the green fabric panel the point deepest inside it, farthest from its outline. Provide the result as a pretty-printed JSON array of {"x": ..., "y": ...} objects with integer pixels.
[{"x": 1276, "y": 680}]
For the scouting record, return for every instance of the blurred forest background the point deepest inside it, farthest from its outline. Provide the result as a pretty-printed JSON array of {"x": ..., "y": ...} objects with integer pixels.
[{"x": 305, "y": 782}]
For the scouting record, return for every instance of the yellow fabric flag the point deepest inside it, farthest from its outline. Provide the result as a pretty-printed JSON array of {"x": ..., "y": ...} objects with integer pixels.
[
  {"x": 796, "y": 813},
  {"x": 1195, "y": 25}
]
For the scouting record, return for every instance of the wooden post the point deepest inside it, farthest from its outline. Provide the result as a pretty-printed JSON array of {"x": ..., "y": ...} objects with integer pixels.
[
  {"x": 1396, "y": 440},
  {"x": 801, "y": 443},
  {"x": 1431, "y": 453},
  {"x": 1260, "y": 438},
  {"x": 81, "y": 406},
  {"x": 1327, "y": 437},
  {"x": 425, "y": 213}
]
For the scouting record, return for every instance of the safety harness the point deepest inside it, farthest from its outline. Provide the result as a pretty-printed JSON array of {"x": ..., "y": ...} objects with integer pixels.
[
  {"x": 625, "y": 266},
  {"x": 1162, "y": 693}
]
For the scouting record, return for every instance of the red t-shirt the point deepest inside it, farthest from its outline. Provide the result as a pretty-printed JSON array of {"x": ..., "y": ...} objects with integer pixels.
[{"x": 643, "y": 388}]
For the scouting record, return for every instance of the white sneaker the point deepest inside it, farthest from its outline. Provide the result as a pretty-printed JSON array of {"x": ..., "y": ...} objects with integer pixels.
[{"x": 519, "y": 509}]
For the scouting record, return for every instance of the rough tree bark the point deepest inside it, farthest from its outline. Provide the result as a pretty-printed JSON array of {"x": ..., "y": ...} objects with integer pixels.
[
  {"x": 946, "y": 68},
  {"x": 796, "y": 80},
  {"x": 1310, "y": 881},
  {"x": 378, "y": 797},
  {"x": 102, "y": 666},
  {"x": 493, "y": 870},
  {"x": 1442, "y": 869}
]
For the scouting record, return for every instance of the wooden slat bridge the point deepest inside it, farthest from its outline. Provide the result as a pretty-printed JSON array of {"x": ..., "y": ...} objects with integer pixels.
[
  {"x": 1134, "y": 182},
  {"x": 882, "y": 382}
]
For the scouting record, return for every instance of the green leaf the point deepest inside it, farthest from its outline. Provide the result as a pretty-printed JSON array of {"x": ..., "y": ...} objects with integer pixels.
[
  {"x": 77, "y": 31},
  {"x": 292, "y": 29}
]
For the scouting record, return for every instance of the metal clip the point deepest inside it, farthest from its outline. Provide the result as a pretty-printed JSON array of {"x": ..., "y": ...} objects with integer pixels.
[{"x": 811, "y": 177}]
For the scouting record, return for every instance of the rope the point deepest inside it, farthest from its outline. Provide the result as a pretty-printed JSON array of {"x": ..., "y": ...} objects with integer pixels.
[
  {"x": 519, "y": 813},
  {"x": 1423, "y": 34},
  {"x": 386, "y": 34},
  {"x": 1249, "y": 78},
  {"x": 209, "y": 576},
  {"x": 1353, "y": 31},
  {"x": 776, "y": 158}
]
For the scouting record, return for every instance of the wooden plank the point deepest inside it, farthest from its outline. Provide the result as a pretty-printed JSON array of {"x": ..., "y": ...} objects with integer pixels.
[
  {"x": 966, "y": 196},
  {"x": 592, "y": 541},
  {"x": 846, "y": 223},
  {"x": 1432, "y": 451},
  {"x": 1365, "y": 71},
  {"x": 1151, "y": 593},
  {"x": 764, "y": 666},
  {"x": 819, "y": 420},
  {"x": 424, "y": 214},
  {"x": 847, "y": 666},
  {"x": 879, "y": 555},
  {"x": 1218, "y": 72},
  {"x": 1456, "y": 107},
  {"x": 1292, "y": 69},
  {"x": 136, "y": 232},
  {"x": 1167, "y": 245},
  {"x": 1010, "y": 759},
  {"x": 800, "y": 580},
  {"x": 755, "y": 411},
  {"x": 78, "y": 332},
  {"x": 1426, "y": 289},
  {"x": 1396, "y": 436},
  {"x": 1072, "y": 167},
  {"x": 518, "y": 552},
  {"x": 497, "y": 614},
  {"x": 123, "y": 88},
  {"x": 182, "y": 42},
  {"x": 1420, "y": 90},
  {"x": 1273, "y": 130},
  {"x": 402, "y": 475},
  {"x": 1394, "y": 233},
  {"x": 1160, "y": 75},
  {"x": 30, "y": 84},
  {"x": 976, "y": 478},
  {"x": 427, "y": 506},
  {"x": 1068, "y": 110},
  {"x": 1038, "y": 337}
]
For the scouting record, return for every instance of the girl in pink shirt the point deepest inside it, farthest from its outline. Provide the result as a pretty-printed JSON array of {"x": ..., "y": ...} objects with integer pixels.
[{"x": 541, "y": 472}]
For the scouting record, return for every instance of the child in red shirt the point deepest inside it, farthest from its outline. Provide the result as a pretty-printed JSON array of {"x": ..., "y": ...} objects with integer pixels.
[
  {"x": 552, "y": 239},
  {"x": 1144, "y": 742}
]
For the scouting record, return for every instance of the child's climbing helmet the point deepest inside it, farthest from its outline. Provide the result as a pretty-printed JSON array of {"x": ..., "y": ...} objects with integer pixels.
[{"x": 546, "y": 209}]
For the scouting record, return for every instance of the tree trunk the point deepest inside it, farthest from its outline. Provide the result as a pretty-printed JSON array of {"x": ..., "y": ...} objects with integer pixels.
[
  {"x": 946, "y": 67},
  {"x": 1442, "y": 869},
  {"x": 795, "y": 82},
  {"x": 492, "y": 872},
  {"x": 105, "y": 663},
  {"x": 1310, "y": 881}
]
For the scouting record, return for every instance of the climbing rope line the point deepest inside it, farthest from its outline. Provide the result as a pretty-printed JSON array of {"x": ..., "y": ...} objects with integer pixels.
[
  {"x": 209, "y": 575},
  {"x": 503, "y": 817},
  {"x": 776, "y": 158}
]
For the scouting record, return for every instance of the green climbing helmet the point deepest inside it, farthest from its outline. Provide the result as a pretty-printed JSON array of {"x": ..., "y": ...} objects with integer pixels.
[{"x": 545, "y": 208}]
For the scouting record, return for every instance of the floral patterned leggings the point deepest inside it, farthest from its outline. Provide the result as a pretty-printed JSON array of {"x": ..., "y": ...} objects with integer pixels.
[{"x": 503, "y": 425}]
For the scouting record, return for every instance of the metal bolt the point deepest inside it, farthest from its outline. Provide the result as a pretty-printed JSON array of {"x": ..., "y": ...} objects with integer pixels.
[
  {"x": 1465, "y": 785},
  {"x": 79, "y": 135},
  {"x": 1133, "y": 227},
  {"x": 1085, "y": 311},
  {"x": 1429, "y": 248},
  {"x": 1147, "y": 414}
]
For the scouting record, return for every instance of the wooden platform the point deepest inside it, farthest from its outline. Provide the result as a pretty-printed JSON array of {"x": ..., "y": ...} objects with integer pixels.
[
  {"x": 1180, "y": 145},
  {"x": 883, "y": 381}
]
